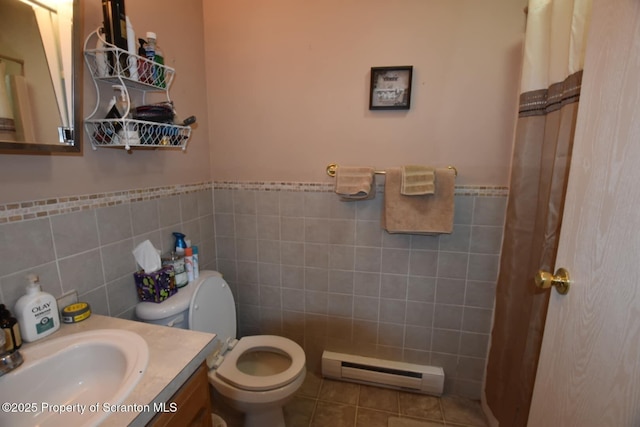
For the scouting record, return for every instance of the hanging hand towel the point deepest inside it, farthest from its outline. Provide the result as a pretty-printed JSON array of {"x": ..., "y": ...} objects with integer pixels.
[
  {"x": 7, "y": 124},
  {"x": 355, "y": 183},
  {"x": 418, "y": 180},
  {"x": 23, "y": 117},
  {"x": 428, "y": 214}
]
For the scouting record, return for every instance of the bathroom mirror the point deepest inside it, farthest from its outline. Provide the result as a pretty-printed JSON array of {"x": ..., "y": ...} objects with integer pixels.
[{"x": 40, "y": 76}]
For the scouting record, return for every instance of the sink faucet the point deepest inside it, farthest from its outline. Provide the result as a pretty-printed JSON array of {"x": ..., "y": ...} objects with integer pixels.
[{"x": 9, "y": 359}]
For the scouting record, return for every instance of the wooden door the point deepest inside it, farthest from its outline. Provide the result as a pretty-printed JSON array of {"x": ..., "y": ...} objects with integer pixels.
[{"x": 589, "y": 369}]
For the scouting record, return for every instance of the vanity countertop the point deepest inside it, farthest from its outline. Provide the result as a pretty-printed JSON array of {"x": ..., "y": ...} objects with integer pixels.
[{"x": 174, "y": 354}]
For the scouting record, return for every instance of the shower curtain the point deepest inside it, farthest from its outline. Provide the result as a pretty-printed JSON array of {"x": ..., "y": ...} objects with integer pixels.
[{"x": 550, "y": 90}]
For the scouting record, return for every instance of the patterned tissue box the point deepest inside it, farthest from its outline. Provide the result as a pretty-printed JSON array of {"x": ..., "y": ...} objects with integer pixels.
[{"x": 156, "y": 286}]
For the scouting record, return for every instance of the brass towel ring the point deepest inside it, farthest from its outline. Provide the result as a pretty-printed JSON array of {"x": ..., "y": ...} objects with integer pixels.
[{"x": 333, "y": 167}]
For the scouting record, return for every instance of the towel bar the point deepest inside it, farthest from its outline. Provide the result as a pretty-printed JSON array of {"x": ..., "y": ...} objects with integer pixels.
[{"x": 332, "y": 167}]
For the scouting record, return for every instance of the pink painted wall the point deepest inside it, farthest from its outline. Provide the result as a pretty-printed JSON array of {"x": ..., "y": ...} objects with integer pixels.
[
  {"x": 286, "y": 90},
  {"x": 288, "y": 86}
]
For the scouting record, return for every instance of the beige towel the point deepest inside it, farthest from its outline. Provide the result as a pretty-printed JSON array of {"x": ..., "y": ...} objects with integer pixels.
[
  {"x": 429, "y": 214},
  {"x": 355, "y": 183},
  {"x": 418, "y": 180},
  {"x": 23, "y": 115}
]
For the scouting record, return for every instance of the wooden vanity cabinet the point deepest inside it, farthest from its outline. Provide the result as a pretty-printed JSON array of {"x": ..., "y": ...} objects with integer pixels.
[{"x": 191, "y": 403}]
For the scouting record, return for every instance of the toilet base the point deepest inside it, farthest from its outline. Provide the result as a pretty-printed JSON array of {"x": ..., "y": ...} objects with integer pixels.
[
  {"x": 261, "y": 408},
  {"x": 272, "y": 417}
]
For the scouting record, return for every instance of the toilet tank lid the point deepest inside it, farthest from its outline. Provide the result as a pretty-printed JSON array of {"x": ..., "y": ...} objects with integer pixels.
[{"x": 212, "y": 308}]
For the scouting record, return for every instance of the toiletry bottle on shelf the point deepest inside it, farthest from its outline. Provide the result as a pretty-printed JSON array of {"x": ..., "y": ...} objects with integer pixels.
[
  {"x": 131, "y": 47},
  {"x": 188, "y": 263},
  {"x": 11, "y": 329},
  {"x": 102, "y": 66},
  {"x": 122, "y": 101},
  {"x": 181, "y": 245},
  {"x": 154, "y": 53},
  {"x": 144, "y": 67},
  {"x": 37, "y": 312},
  {"x": 196, "y": 262}
]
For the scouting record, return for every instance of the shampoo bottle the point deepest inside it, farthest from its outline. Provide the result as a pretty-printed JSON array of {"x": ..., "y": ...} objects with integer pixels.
[{"x": 37, "y": 312}]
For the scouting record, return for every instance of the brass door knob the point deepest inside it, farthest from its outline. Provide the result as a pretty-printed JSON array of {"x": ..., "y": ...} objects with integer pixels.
[{"x": 560, "y": 280}]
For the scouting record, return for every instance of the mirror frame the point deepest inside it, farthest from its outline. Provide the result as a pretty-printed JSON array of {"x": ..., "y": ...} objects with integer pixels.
[{"x": 77, "y": 93}]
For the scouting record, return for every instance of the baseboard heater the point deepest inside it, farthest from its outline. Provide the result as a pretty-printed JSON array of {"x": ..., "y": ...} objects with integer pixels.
[{"x": 383, "y": 373}]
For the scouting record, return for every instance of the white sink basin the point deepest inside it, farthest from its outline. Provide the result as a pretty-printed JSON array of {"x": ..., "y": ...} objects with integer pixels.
[{"x": 84, "y": 374}]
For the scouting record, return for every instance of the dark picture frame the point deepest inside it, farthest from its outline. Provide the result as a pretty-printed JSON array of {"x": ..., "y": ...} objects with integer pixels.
[{"x": 390, "y": 88}]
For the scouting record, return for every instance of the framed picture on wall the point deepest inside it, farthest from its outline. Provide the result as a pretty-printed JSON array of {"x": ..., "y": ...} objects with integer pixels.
[{"x": 390, "y": 88}]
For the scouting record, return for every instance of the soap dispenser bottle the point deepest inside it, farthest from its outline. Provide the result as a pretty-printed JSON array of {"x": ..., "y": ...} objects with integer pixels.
[{"x": 37, "y": 312}]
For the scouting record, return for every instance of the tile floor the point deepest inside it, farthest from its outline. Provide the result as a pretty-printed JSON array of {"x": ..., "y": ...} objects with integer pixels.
[{"x": 328, "y": 403}]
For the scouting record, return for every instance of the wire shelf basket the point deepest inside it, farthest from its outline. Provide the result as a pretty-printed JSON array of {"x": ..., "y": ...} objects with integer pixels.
[
  {"x": 130, "y": 133},
  {"x": 112, "y": 65}
]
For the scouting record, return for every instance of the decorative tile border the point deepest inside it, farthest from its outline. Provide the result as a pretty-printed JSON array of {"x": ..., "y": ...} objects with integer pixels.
[
  {"x": 22, "y": 211},
  {"x": 27, "y": 210},
  {"x": 328, "y": 187},
  {"x": 318, "y": 187},
  {"x": 481, "y": 190}
]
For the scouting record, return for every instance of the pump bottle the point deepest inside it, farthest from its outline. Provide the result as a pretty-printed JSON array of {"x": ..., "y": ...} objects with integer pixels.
[{"x": 37, "y": 312}]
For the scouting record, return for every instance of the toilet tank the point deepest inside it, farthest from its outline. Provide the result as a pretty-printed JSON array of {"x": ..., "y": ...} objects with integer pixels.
[{"x": 174, "y": 311}]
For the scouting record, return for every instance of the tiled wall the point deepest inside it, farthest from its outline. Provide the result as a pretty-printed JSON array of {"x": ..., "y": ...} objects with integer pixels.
[
  {"x": 305, "y": 265},
  {"x": 84, "y": 243},
  {"x": 300, "y": 262}
]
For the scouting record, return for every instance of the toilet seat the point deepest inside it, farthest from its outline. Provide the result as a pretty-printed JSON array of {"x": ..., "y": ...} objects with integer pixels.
[{"x": 229, "y": 372}]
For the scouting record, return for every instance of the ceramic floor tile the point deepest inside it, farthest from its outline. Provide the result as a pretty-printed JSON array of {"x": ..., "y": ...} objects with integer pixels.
[
  {"x": 339, "y": 391},
  {"x": 463, "y": 411},
  {"x": 382, "y": 399},
  {"x": 311, "y": 385},
  {"x": 420, "y": 406},
  {"x": 370, "y": 418},
  {"x": 329, "y": 414},
  {"x": 299, "y": 411},
  {"x": 329, "y": 403},
  {"x": 409, "y": 422}
]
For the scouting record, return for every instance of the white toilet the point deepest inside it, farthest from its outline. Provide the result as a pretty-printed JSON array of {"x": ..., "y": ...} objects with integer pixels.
[{"x": 256, "y": 374}]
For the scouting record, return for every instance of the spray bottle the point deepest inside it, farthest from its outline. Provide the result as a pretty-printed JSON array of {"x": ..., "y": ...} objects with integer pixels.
[{"x": 181, "y": 245}]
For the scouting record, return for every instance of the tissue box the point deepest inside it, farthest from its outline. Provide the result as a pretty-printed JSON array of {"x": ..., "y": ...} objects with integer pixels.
[{"x": 156, "y": 286}]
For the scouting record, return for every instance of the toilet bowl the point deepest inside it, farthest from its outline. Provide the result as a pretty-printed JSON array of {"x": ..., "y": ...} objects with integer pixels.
[{"x": 255, "y": 374}]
